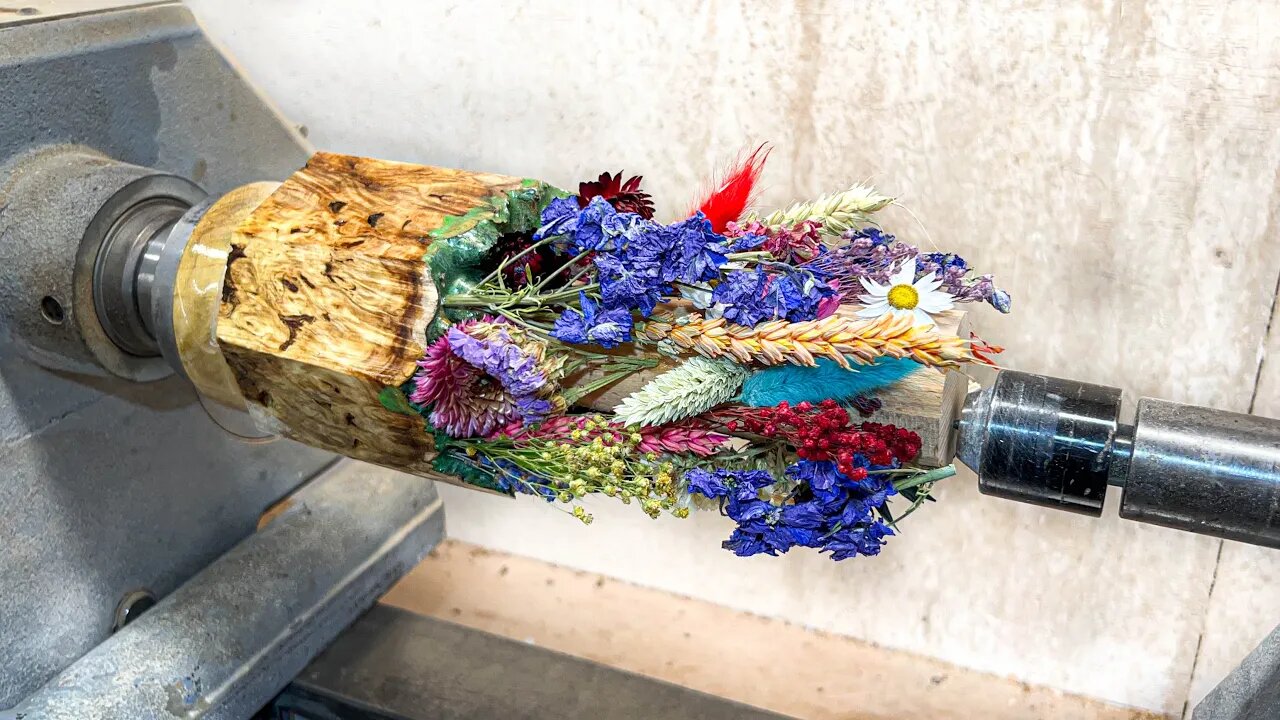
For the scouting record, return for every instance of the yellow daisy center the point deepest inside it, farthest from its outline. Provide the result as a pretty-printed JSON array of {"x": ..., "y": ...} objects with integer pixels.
[{"x": 903, "y": 297}]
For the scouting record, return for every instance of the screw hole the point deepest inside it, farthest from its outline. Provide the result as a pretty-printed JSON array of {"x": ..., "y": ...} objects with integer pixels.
[
  {"x": 52, "y": 310},
  {"x": 133, "y": 604}
]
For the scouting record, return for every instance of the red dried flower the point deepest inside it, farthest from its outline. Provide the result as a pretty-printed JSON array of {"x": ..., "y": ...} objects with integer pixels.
[
  {"x": 538, "y": 261},
  {"x": 826, "y": 432},
  {"x": 796, "y": 244},
  {"x": 623, "y": 196}
]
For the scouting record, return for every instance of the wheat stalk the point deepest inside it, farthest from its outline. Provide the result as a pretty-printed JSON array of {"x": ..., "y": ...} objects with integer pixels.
[
  {"x": 836, "y": 212},
  {"x": 691, "y": 388},
  {"x": 837, "y": 337}
]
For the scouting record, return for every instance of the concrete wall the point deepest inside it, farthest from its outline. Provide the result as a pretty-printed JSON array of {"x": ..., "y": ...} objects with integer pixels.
[{"x": 1114, "y": 163}]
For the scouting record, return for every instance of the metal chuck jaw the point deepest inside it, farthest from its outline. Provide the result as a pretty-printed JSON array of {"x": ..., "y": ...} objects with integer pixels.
[{"x": 1060, "y": 443}]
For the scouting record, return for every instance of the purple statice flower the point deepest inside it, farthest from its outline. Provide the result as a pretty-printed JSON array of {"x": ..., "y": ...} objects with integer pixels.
[
  {"x": 462, "y": 402},
  {"x": 501, "y": 358},
  {"x": 478, "y": 378},
  {"x": 607, "y": 328}
]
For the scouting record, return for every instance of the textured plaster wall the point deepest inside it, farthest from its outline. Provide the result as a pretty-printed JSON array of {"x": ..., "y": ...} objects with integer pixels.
[{"x": 1114, "y": 163}]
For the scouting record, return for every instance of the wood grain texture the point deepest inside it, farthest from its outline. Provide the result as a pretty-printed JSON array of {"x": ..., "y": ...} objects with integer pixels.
[{"x": 326, "y": 300}]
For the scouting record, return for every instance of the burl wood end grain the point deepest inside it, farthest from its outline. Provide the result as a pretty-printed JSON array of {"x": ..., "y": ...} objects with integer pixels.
[{"x": 326, "y": 300}]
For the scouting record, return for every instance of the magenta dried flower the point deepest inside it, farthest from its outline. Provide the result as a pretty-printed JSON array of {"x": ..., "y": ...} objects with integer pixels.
[{"x": 481, "y": 376}]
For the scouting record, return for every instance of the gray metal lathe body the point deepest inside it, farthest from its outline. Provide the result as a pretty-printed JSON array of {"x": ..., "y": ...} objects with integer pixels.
[{"x": 113, "y": 488}]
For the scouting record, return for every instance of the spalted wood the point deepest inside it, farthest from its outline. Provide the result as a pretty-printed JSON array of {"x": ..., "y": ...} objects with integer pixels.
[{"x": 326, "y": 300}]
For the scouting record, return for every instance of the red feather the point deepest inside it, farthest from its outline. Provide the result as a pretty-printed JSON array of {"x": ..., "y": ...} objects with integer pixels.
[{"x": 730, "y": 199}]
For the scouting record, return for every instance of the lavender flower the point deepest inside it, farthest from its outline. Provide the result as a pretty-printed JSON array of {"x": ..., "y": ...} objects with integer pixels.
[
  {"x": 869, "y": 253},
  {"x": 954, "y": 273},
  {"x": 873, "y": 254}
]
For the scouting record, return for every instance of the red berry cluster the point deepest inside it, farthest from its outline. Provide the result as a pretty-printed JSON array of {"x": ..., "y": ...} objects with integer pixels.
[{"x": 826, "y": 432}]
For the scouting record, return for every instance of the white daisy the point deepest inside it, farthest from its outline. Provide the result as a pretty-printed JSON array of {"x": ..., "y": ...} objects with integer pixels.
[{"x": 905, "y": 296}]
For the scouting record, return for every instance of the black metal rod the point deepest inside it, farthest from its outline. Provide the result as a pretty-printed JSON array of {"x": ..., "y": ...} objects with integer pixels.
[{"x": 1058, "y": 443}]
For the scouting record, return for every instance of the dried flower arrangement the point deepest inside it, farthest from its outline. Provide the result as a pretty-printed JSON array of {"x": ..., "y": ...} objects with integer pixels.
[{"x": 751, "y": 342}]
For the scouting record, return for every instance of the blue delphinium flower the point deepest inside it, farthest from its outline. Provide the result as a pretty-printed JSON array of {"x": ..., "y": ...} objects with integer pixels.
[
  {"x": 772, "y": 529},
  {"x": 694, "y": 252},
  {"x": 831, "y": 511},
  {"x": 607, "y": 328},
  {"x": 877, "y": 236},
  {"x": 740, "y": 297},
  {"x": 629, "y": 281},
  {"x": 745, "y": 242},
  {"x": 862, "y": 540},
  {"x": 559, "y": 217},
  {"x": 822, "y": 477},
  {"x": 511, "y": 477},
  {"x": 589, "y": 230},
  {"x": 636, "y": 260},
  {"x": 750, "y": 297},
  {"x": 746, "y": 544},
  {"x": 738, "y": 485}
]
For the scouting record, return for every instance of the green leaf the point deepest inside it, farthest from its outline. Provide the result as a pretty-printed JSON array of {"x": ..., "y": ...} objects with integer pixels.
[
  {"x": 449, "y": 464},
  {"x": 393, "y": 399}
]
